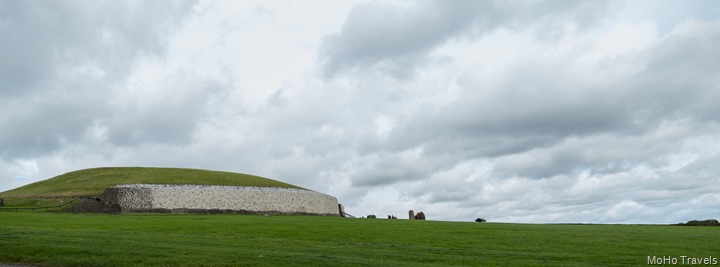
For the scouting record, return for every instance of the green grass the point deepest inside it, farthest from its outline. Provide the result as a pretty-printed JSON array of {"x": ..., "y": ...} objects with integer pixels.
[
  {"x": 35, "y": 202},
  {"x": 92, "y": 182},
  {"x": 61, "y": 239}
]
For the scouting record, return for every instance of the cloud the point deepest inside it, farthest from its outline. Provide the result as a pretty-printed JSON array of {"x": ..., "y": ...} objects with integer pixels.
[
  {"x": 40, "y": 38},
  {"x": 560, "y": 115},
  {"x": 392, "y": 38},
  {"x": 159, "y": 107},
  {"x": 397, "y": 40},
  {"x": 62, "y": 63},
  {"x": 530, "y": 102}
]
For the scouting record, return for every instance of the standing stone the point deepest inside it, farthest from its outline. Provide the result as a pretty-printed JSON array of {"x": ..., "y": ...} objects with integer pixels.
[
  {"x": 372, "y": 216},
  {"x": 342, "y": 210},
  {"x": 420, "y": 216},
  {"x": 411, "y": 214}
]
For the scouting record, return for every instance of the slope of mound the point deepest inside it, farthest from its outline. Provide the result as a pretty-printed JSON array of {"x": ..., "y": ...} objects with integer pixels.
[{"x": 92, "y": 182}]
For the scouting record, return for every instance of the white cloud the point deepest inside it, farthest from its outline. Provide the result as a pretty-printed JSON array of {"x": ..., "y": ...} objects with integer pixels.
[{"x": 383, "y": 125}]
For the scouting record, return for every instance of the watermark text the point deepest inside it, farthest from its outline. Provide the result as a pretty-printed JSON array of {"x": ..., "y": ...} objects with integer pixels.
[{"x": 681, "y": 260}]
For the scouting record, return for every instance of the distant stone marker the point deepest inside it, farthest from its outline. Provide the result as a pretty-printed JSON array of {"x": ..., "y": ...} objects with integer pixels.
[
  {"x": 411, "y": 215},
  {"x": 480, "y": 220},
  {"x": 371, "y": 216},
  {"x": 420, "y": 216}
]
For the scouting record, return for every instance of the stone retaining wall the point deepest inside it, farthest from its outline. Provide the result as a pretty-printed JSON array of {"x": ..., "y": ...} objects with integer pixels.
[{"x": 199, "y": 198}]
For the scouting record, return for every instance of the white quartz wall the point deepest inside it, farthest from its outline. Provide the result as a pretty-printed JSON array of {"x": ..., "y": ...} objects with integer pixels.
[{"x": 202, "y": 197}]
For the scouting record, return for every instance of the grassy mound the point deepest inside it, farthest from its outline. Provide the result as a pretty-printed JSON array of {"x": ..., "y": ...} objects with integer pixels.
[{"x": 92, "y": 182}]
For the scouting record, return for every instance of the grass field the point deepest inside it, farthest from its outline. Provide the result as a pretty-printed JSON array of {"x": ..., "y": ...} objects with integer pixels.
[
  {"x": 62, "y": 239},
  {"x": 92, "y": 182}
]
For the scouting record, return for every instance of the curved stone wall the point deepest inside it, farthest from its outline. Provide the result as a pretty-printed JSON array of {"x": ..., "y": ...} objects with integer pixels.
[{"x": 148, "y": 197}]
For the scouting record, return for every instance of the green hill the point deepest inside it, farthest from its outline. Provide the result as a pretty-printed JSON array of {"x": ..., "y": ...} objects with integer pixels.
[{"x": 92, "y": 182}]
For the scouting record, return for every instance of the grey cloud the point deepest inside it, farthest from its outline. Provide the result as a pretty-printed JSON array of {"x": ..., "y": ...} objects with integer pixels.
[
  {"x": 39, "y": 37},
  {"x": 537, "y": 99},
  {"x": 397, "y": 40},
  {"x": 61, "y": 63},
  {"x": 576, "y": 198},
  {"x": 543, "y": 129},
  {"x": 42, "y": 124},
  {"x": 388, "y": 168},
  {"x": 542, "y": 126},
  {"x": 168, "y": 115},
  {"x": 599, "y": 154},
  {"x": 377, "y": 35},
  {"x": 680, "y": 79},
  {"x": 586, "y": 197},
  {"x": 549, "y": 19},
  {"x": 534, "y": 120}
]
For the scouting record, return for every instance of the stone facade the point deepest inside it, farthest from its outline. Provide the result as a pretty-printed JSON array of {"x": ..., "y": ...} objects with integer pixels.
[{"x": 209, "y": 198}]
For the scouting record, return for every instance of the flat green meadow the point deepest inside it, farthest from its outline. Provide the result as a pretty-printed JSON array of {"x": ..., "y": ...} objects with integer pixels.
[{"x": 63, "y": 239}]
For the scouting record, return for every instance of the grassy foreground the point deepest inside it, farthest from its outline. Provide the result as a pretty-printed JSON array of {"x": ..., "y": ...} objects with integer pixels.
[
  {"x": 60, "y": 239},
  {"x": 92, "y": 182}
]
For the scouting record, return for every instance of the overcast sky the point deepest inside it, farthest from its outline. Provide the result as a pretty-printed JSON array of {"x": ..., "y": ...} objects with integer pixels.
[{"x": 514, "y": 111}]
